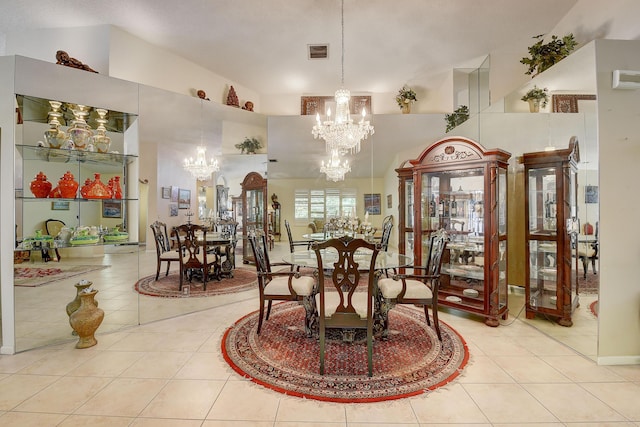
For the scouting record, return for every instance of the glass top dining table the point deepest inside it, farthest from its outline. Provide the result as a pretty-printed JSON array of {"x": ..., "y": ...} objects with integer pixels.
[{"x": 385, "y": 260}]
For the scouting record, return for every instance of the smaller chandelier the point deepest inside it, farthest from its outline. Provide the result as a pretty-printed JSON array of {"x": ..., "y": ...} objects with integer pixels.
[
  {"x": 335, "y": 169},
  {"x": 199, "y": 168}
]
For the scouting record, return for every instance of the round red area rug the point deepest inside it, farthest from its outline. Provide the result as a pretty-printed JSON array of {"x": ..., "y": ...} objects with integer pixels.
[
  {"x": 169, "y": 286},
  {"x": 410, "y": 362}
]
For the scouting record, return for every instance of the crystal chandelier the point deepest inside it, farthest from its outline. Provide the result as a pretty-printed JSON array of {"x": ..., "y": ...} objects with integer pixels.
[
  {"x": 341, "y": 134},
  {"x": 199, "y": 168},
  {"x": 335, "y": 168}
]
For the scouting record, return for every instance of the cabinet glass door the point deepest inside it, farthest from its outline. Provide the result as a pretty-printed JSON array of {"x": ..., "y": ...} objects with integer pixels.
[
  {"x": 542, "y": 201},
  {"x": 543, "y": 274}
]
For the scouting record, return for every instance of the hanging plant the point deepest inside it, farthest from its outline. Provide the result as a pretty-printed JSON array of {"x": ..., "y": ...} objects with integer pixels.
[
  {"x": 459, "y": 116},
  {"x": 545, "y": 55},
  {"x": 250, "y": 145}
]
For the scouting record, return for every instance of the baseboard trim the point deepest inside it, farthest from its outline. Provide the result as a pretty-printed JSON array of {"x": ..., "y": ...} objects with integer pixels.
[{"x": 619, "y": 360}]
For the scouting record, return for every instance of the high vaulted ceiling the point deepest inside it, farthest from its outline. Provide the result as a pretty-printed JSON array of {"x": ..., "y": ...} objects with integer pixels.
[{"x": 262, "y": 44}]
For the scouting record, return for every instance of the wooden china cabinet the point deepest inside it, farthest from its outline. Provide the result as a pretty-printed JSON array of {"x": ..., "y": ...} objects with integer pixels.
[
  {"x": 551, "y": 186},
  {"x": 458, "y": 185},
  {"x": 254, "y": 211}
]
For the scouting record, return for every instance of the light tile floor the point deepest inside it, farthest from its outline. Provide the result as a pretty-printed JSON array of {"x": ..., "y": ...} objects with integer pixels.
[{"x": 170, "y": 373}]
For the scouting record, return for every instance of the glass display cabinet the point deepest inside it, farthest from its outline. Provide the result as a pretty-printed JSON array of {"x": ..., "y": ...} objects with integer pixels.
[
  {"x": 89, "y": 190},
  {"x": 551, "y": 186},
  {"x": 458, "y": 185},
  {"x": 254, "y": 206}
]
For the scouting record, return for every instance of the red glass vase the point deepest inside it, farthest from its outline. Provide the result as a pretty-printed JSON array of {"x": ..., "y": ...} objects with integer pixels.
[
  {"x": 40, "y": 187},
  {"x": 97, "y": 189},
  {"x": 68, "y": 186}
]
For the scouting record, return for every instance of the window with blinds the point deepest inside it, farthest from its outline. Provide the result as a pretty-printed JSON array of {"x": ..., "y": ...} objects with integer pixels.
[{"x": 324, "y": 204}]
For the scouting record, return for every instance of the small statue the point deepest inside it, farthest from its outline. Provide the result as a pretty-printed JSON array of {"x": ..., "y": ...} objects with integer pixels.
[
  {"x": 232, "y": 98},
  {"x": 64, "y": 59},
  {"x": 202, "y": 95},
  {"x": 248, "y": 106}
]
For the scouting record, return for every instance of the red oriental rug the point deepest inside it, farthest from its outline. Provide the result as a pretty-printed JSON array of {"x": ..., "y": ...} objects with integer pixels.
[
  {"x": 169, "y": 286},
  {"x": 412, "y": 361},
  {"x": 37, "y": 274}
]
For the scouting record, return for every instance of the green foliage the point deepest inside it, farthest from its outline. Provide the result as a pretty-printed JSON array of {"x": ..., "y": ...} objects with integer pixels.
[
  {"x": 459, "y": 116},
  {"x": 405, "y": 96},
  {"x": 250, "y": 145},
  {"x": 537, "y": 93},
  {"x": 543, "y": 56}
]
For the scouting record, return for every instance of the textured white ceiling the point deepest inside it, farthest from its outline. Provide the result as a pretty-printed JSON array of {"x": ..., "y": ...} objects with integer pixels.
[{"x": 262, "y": 44}]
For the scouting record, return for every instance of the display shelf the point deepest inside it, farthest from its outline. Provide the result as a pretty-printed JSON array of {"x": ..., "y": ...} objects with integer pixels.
[
  {"x": 551, "y": 236},
  {"x": 459, "y": 186}
]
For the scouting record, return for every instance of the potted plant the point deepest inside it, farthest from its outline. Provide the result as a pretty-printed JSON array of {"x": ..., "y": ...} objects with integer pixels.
[
  {"x": 250, "y": 145},
  {"x": 459, "y": 116},
  {"x": 545, "y": 55},
  {"x": 536, "y": 98},
  {"x": 405, "y": 97}
]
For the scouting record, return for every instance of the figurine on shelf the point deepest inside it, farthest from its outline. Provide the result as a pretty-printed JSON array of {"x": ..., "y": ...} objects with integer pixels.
[
  {"x": 64, "y": 59},
  {"x": 232, "y": 98},
  {"x": 114, "y": 187},
  {"x": 97, "y": 189},
  {"x": 248, "y": 106},
  {"x": 202, "y": 95}
]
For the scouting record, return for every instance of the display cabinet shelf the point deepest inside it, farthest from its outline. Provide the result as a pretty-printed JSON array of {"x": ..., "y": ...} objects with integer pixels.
[
  {"x": 459, "y": 186},
  {"x": 254, "y": 209},
  {"x": 552, "y": 230}
]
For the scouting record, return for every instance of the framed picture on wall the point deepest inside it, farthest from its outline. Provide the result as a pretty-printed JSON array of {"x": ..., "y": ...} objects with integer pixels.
[
  {"x": 166, "y": 192},
  {"x": 111, "y": 209},
  {"x": 372, "y": 203},
  {"x": 59, "y": 205},
  {"x": 173, "y": 209},
  {"x": 184, "y": 199},
  {"x": 389, "y": 201},
  {"x": 174, "y": 194},
  {"x": 591, "y": 194}
]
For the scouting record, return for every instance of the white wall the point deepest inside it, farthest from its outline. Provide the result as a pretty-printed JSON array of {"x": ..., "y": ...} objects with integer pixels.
[{"x": 618, "y": 112}]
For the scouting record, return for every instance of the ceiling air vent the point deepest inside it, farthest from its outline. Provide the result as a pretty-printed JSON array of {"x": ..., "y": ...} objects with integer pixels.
[{"x": 318, "y": 51}]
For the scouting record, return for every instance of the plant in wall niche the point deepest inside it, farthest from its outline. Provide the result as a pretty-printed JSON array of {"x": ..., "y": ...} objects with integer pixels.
[
  {"x": 536, "y": 98},
  {"x": 405, "y": 97},
  {"x": 459, "y": 116},
  {"x": 250, "y": 145},
  {"x": 544, "y": 55}
]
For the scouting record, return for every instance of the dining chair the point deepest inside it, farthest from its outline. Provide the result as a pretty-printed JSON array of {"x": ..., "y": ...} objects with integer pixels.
[
  {"x": 194, "y": 257},
  {"x": 419, "y": 288},
  {"x": 387, "y": 227},
  {"x": 294, "y": 243},
  {"x": 53, "y": 227},
  {"x": 163, "y": 247},
  {"x": 285, "y": 285},
  {"x": 588, "y": 251},
  {"x": 340, "y": 304}
]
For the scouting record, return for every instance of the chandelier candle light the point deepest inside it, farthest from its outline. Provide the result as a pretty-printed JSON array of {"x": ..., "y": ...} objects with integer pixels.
[
  {"x": 341, "y": 134},
  {"x": 335, "y": 168}
]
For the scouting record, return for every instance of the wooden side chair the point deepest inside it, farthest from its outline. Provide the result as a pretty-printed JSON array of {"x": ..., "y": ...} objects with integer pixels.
[
  {"x": 53, "y": 227},
  {"x": 163, "y": 247},
  {"x": 295, "y": 243},
  {"x": 340, "y": 306},
  {"x": 194, "y": 258},
  {"x": 419, "y": 288},
  {"x": 284, "y": 285}
]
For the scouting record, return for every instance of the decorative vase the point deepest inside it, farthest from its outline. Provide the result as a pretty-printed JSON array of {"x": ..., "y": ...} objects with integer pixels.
[
  {"x": 68, "y": 186},
  {"x": 101, "y": 141},
  {"x": 114, "y": 186},
  {"x": 406, "y": 108},
  {"x": 80, "y": 133},
  {"x": 75, "y": 304},
  {"x": 86, "y": 319},
  {"x": 97, "y": 189},
  {"x": 54, "y": 136},
  {"x": 85, "y": 188},
  {"x": 40, "y": 187},
  {"x": 534, "y": 105},
  {"x": 55, "y": 193}
]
